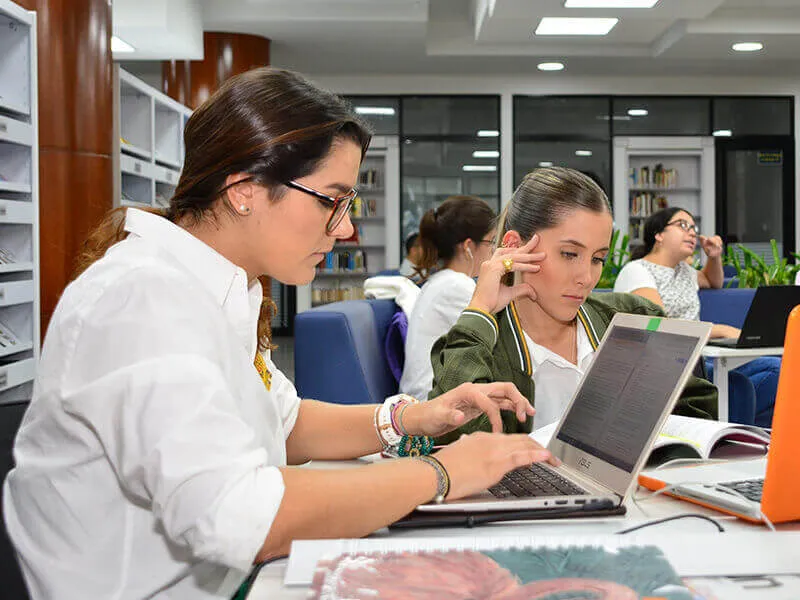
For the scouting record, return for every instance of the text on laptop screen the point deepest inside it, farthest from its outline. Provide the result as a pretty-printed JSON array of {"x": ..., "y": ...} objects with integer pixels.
[{"x": 624, "y": 393}]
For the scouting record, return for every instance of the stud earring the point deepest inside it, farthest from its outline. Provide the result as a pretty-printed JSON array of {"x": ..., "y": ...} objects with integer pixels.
[{"x": 243, "y": 209}]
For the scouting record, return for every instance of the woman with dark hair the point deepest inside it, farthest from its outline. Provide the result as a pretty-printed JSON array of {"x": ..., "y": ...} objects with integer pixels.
[
  {"x": 454, "y": 239},
  {"x": 152, "y": 461},
  {"x": 534, "y": 322},
  {"x": 660, "y": 273},
  {"x": 659, "y": 270}
]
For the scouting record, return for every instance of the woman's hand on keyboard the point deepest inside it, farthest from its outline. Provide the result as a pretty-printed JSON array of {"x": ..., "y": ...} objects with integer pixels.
[
  {"x": 479, "y": 460},
  {"x": 462, "y": 404}
]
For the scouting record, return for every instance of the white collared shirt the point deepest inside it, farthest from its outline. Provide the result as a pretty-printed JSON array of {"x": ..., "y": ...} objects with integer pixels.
[
  {"x": 555, "y": 379},
  {"x": 147, "y": 461}
]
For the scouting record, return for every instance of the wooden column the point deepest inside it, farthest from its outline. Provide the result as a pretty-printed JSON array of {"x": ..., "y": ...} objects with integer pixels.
[
  {"x": 75, "y": 133},
  {"x": 225, "y": 55}
]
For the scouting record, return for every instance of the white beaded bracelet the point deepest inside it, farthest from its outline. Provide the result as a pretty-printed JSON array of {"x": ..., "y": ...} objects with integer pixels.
[{"x": 389, "y": 434}]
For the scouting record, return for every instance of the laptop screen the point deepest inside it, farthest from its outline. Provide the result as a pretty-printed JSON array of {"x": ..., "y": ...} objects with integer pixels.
[{"x": 624, "y": 393}]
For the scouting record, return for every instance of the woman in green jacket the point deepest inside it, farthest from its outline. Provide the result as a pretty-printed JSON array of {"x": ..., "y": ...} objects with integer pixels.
[{"x": 532, "y": 319}]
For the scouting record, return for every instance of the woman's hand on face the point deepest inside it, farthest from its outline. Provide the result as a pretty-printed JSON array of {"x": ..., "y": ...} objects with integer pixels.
[
  {"x": 712, "y": 246},
  {"x": 491, "y": 295},
  {"x": 462, "y": 404},
  {"x": 479, "y": 460}
]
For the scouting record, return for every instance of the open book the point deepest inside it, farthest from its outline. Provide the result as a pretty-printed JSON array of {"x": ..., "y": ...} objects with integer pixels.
[{"x": 687, "y": 437}]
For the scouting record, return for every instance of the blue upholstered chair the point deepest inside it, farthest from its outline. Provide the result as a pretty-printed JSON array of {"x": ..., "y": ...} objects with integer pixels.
[{"x": 339, "y": 352}]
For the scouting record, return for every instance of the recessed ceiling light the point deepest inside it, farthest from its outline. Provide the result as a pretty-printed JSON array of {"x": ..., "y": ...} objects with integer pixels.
[
  {"x": 637, "y": 112},
  {"x": 550, "y": 66},
  {"x": 575, "y": 26},
  {"x": 479, "y": 168},
  {"x": 545, "y": 163},
  {"x": 375, "y": 110},
  {"x": 610, "y": 3},
  {"x": 583, "y": 152},
  {"x": 488, "y": 133},
  {"x": 120, "y": 45},
  {"x": 748, "y": 46},
  {"x": 486, "y": 154},
  {"x": 722, "y": 133}
]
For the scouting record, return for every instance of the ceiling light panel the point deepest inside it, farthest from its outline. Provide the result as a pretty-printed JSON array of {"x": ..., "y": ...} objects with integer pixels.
[
  {"x": 610, "y": 3},
  {"x": 575, "y": 26}
]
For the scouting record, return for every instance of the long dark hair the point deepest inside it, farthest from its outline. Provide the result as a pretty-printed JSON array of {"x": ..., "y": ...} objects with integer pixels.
[
  {"x": 654, "y": 224},
  {"x": 442, "y": 229},
  {"x": 271, "y": 124}
]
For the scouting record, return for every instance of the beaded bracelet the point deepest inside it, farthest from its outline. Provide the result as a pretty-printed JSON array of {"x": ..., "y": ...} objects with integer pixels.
[
  {"x": 415, "y": 445},
  {"x": 442, "y": 477}
]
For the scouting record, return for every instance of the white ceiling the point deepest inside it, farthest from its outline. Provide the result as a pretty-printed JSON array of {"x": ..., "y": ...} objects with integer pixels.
[{"x": 327, "y": 37}]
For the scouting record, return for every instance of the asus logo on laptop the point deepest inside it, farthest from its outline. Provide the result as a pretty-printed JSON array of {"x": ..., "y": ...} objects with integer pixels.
[{"x": 585, "y": 463}]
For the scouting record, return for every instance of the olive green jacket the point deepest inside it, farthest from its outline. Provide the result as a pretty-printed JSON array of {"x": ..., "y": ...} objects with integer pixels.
[{"x": 482, "y": 348}]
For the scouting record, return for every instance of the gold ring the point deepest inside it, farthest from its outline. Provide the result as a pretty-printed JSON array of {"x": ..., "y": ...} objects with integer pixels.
[{"x": 508, "y": 264}]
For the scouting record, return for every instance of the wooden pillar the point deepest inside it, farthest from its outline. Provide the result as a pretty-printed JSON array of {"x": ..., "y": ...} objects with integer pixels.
[
  {"x": 76, "y": 174},
  {"x": 225, "y": 55}
]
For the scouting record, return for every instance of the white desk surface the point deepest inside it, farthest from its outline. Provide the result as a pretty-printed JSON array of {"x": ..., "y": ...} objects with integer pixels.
[
  {"x": 269, "y": 585},
  {"x": 720, "y": 352}
]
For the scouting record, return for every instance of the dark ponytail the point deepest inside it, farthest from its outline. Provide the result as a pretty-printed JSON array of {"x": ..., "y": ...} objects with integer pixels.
[
  {"x": 654, "y": 225},
  {"x": 442, "y": 229}
]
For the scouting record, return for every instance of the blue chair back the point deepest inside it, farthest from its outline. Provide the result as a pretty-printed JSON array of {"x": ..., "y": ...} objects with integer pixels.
[
  {"x": 728, "y": 306},
  {"x": 339, "y": 352}
]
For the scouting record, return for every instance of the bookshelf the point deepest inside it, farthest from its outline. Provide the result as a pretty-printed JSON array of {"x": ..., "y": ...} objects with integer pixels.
[
  {"x": 376, "y": 241},
  {"x": 651, "y": 173},
  {"x": 150, "y": 156},
  {"x": 19, "y": 204}
]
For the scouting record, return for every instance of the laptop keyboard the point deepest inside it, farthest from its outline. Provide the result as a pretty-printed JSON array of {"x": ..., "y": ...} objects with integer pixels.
[
  {"x": 749, "y": 488},
  {"x": 534, "y": 480}
]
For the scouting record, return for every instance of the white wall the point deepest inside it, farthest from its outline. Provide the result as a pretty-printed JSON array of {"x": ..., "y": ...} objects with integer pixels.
[{"x": 507, "y": 86}]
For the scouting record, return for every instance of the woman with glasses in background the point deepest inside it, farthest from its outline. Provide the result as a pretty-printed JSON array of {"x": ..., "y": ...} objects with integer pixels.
[
  {"x": 660, "y": 272},
  {"x": 455, "y": 238},
  {"x": 153, "y": 460}
]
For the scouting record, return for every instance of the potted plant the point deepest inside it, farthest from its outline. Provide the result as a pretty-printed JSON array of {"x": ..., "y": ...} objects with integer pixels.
[
  {"x": 615, "y": 259},
  {"x": 753, "y": 271}
]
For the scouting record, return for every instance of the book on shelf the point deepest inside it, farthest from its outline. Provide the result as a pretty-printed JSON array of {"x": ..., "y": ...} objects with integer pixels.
[
  {"x": 8, "y": 340},
  {"x": 369, "y": 178},
  {"x": 511, "y": 573},
  {"x": 7, "y": 257},
  {"x": 363, "y": 208},
  {"x": 338, "y": 261},
  {"x": 687, "y": 437},
  {"x": 644, "y": 204},
  {"x": 653, "y": 176}
]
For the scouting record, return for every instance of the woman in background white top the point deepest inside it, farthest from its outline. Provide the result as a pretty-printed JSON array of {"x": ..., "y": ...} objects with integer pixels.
[
  {"x": 454, "y": 240},
  {"x": 660, "y": 273},
  {"x": 152, "y": 460}
]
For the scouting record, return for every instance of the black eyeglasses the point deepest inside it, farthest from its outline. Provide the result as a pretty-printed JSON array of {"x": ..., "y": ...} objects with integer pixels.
[
  {"x": 341, "y": 204},
  {"x": 685, "y": 225}
]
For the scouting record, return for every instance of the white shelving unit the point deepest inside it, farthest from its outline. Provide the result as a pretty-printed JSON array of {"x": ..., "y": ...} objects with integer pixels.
[
  {"x": 651, "y": 173},
  {"x": 19, "y": 204},
  {"x": 150, "y": 126},
  {"x": 376, "y": 219}
]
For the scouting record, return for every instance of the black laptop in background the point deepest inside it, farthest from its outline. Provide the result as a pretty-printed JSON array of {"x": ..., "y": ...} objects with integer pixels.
[{"x": 765, "y": 323}]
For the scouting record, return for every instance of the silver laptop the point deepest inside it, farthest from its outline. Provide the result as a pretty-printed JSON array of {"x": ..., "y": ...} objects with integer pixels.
[{"x": 605, "y": 434}]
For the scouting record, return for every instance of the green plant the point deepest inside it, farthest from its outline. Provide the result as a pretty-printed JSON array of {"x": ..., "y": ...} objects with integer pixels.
[
  {"x": 615, "y": 259},
  {"x": 753, "y": 271}
]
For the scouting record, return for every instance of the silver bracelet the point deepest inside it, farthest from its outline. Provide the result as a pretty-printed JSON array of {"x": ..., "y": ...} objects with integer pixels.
[{"x": 442, "y": 477}]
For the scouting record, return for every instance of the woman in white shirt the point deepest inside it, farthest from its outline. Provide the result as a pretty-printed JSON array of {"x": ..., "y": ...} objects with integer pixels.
[
  {"x": 454, "y": 239},
  {"x": 660, "y": 273},
  {"x": 152, "y": 461}
]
